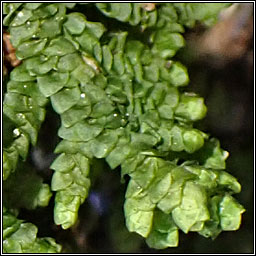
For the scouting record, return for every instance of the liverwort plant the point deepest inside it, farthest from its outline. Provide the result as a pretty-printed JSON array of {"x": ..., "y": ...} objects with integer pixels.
[{"x": 120, "y": 96}]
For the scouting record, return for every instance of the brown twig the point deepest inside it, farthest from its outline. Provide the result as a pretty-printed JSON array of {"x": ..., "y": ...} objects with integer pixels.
[{"x": 9, "y": 51}]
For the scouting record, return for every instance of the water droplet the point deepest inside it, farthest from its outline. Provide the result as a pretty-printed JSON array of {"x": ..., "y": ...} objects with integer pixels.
[
  {"x": 225, "y": 154},
  {"x": 34, "y": 36},
  {"x": 30, "y": 101},
  {"x": 123, "y": 121},
  {"x": 16, "y": 132},
  {"x": 28, "y": 23},
  {"x": 127, "y": 114},
  {"x": 20, "y": 14},
  {"x": 30, "y": 106},
  {"x": 138, "y": 187},
  {"x": 24, "y": 86},
  {"x": 21, "y": 116},
  {"x": 115, "y": 115},
  {"x": 82, "y": 95}
]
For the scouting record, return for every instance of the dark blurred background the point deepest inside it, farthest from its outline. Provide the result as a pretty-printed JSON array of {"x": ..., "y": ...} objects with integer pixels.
[{"x": 220, "y": 66}]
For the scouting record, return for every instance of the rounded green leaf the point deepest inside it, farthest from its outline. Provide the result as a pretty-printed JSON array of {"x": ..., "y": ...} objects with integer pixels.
[
  {"x": 65, "y": 99},
  {"x": 30, "y": 48},
  {"x": 75, "y": 23},
  {"x": 58, "y": 47},
  {"x": 52, "y": 82},
  {"x": 230, "y": 212},
  {"x": 191, "y": 108}
]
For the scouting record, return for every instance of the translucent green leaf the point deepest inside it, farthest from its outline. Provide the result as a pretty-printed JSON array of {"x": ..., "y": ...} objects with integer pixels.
[
  {"x": 102, "y": 109},
  {"x": 50, "y": 28},
  {"x": 139, "y": 202},
  {"x": 87, "y": 41},
  {"x": 121, "y": 152},
  {"x": 72, "y": 188},
  {"x": 81, "y": 131},
  {"x": 44, "y": 195},
  {"x": 107, "y": 58},
  {"x": 83, "y": 73},
  {"x": 66, "y": 214},
  {"x": 23, "y": 33},
  {"x": 211, "y": 155},
  {"x": 193, "y": 140},
  {"x": 58, "y": 47},
  {"x": 20, "y": 74},
  {"x": 165, "y": 111},
  {"x": 165, "y": 233},
  {"x": 63, "y": 163},
  {"x": 10, "y": 159},
  {"x": 32, "y": 6},
  {"x": 230, "y": 213},
  {"x": 43, "y": 12},
  {"x": 130, "y": 164},
  {"x": 192, "y": 208},
  {"x": 52, "y": 82},
  {"x": 30, "y": 48},
  {"x": 134, "y": 190},
  {"x": 136, "y": 14},
  {"x": 139, "y": 222},
  {"x": 104, "y": 143},
  {"x": 69, "y": 62},
  {"x": 61, "y": 181},
  {"x": 9, "y": 9},
  {"x": 44, "y": 245},
  {"x": 75, "y": 114},
  {"x": 211, "y": 227},
  {"x": 95, "y": 28},
  {"x": 159, "y": 187},
  {"x": 65, "y": 99},
  {"x": 22, "y": 145},
  {"x": 166, "y": 44},
  {"x": 191, "y": 107},
  {"x": 143, "y": 141},
  {"x": 118, "y": 11},
  {"x": 23, "y": 237},
  {"x": 176, "y": 138},
  {"x": 227, "y": 180},
  {"x": 118, "y": 63},
  {"x": 172, "y": 199},
  {"x": 41, "y": 65},
  {"x": 21, "y": 17},
  {"x": 145, "y": 173},
  {"x": 75, "y": 23},
  {"x": 178, "y": 75},
  {"x": 70, "y": 5},
  {"x": 151, "y": 73},
  {"x": 133, "y": 50},
  {"x": 160, "y": 240},
  {"x": 16, "y": 100}
]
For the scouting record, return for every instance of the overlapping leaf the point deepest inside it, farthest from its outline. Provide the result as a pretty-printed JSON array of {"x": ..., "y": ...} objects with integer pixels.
[
  {"x": 21, "y": 237},
  {"x": 121, "y": 100}
]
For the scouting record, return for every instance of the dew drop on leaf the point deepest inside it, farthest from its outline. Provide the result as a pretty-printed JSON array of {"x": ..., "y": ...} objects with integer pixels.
[
  {"x": 20, "y": 116},
  {"x": 16, "y": 132}
]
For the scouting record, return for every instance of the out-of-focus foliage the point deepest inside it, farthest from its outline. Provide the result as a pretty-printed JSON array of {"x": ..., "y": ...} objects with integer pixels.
[{"x": 122, "y": 100}]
